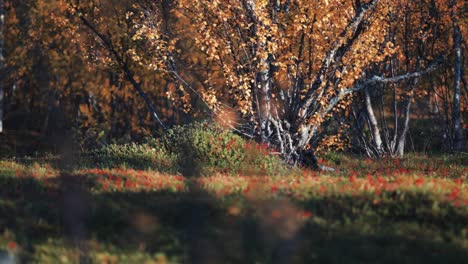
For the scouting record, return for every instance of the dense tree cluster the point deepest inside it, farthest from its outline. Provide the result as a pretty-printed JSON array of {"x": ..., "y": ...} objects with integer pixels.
[{"x": 300, "y": 76}]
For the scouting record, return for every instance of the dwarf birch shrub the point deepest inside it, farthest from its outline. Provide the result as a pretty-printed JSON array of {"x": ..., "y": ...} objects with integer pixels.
[
  {"x": 199, "y": 148},
  {"x": 211, "y": 149},
  {"x": 137, "y": 156}
]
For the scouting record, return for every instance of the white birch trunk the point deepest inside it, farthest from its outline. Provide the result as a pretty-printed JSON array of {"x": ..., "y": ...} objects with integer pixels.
[
  {"x": 456, "y": 116},
  {"x": 373, "y": 121}
]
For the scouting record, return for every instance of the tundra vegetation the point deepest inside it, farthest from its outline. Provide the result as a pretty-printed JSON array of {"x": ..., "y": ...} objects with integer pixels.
[{"x": 233, "y": 131}]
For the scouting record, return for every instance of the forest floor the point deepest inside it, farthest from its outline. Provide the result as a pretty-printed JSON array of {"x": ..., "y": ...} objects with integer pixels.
[{"x": 413, "y": 210}]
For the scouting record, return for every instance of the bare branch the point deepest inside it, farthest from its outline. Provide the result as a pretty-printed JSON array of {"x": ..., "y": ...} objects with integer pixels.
[
  {"x": 379, "y": 79},
  {"x": 338, "y": 50}
]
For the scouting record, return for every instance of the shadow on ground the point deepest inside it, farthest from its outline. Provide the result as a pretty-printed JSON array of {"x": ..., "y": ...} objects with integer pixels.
[{"x": 195, "y": 227}]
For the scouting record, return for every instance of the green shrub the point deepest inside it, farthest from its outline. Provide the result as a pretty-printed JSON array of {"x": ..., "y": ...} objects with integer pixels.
[
  {"x": 194, "y": 149},
  {"x": 204, "y": 148},
  {"x": 137, "y": 156}
]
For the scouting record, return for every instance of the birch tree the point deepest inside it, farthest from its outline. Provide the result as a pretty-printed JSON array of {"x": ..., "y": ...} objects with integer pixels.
[
  {"x": 283, "y": 67},
  {"x": 457, "y": 47}
]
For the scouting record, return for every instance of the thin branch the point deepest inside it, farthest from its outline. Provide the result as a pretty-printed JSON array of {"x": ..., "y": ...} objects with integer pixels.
[
  {"x": 124, "y": 66},
  {"x": 378, "y": 79},
  {"x": 339, "y": 49}
]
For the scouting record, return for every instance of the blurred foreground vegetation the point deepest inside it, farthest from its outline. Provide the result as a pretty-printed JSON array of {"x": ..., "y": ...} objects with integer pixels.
[{"x": 413, "y": 210}]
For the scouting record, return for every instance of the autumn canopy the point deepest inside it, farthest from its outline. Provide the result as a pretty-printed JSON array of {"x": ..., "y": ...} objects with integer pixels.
[{"x": 294, "y": 75}]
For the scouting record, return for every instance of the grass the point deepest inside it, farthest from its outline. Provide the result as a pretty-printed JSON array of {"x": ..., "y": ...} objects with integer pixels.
[{"x": 413, "y": 210}]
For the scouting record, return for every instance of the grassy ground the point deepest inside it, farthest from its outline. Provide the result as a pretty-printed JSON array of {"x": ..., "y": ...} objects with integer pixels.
[{"x": 393, "y": 211}]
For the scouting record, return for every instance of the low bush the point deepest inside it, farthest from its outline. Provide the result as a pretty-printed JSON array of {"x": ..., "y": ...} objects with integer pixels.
[
  {"x": 201, "y": 147},
  {"x": 137, "y": 156},
  {"x": 204, "y": 148},
  {"x": 193, "y": 149}
]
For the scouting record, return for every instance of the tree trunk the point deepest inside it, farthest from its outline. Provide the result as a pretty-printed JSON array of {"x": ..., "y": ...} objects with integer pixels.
[
  {"x": 262, "y": 85},
  {"x": 374, "y": 125},
  {"x": 400, "y": 151},
  {"x": 456, "y": 116},
  {"x": 265, "y": 106},
  {"x": 2, "y": 61},
  {"x": 402, "y": 140}
]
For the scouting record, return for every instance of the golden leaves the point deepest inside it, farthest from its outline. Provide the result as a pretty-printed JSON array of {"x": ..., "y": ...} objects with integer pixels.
[
  {"x": 209, "y": 96},
  {"x": 228, "y": 37}
]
